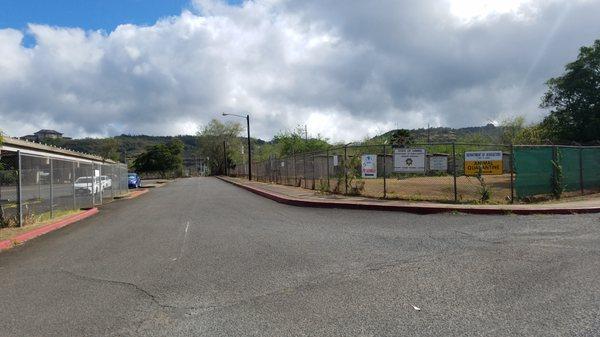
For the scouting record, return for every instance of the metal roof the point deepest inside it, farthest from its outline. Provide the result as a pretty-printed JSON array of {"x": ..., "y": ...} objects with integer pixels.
[{"x": 28, "y": 147}]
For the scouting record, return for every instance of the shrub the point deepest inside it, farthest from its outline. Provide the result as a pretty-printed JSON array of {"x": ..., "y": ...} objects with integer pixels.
[
  {"x": 558, "y": 186},
  {"x": 485, "y": 192}
]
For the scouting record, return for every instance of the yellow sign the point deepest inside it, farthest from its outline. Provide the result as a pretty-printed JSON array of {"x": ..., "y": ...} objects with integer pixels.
[{"x": 484, "y": 162}]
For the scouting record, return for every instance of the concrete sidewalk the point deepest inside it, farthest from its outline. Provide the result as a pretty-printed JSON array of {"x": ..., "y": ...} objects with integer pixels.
[{"x": 297, "y": 196}]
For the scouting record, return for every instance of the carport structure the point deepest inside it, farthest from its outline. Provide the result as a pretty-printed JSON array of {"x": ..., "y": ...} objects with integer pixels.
[{"x": 38, "y": 181}]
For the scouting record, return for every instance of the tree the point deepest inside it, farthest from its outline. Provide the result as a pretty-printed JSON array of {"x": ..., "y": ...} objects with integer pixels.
[
  {"x": 575, "y": 100},
  {"x": 400, "y": 138},
  {"x": 1, "y": 141},
  {"x": 294, "y": 142},
  {"x": 110, "y": 149},
  {"x": 210, "y": 141},
  {"x": 161, "y": 158},
  {"x": 511, "y": 128}
]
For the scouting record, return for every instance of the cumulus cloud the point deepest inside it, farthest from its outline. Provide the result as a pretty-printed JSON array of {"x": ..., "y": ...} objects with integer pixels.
[{"x": 347, "y": 69}]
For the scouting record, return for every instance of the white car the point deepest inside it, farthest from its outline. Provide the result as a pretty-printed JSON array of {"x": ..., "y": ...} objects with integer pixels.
[
  {"x": 106, "y": 182},
  {"x": 86, "y": 185}
]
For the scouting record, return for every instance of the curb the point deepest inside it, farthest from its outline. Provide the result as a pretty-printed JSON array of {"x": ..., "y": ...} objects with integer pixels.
[
  {"x": 21, "y": 238},
  {"x": 417, "y": 209},
  {"x": 136, "y": 193}
]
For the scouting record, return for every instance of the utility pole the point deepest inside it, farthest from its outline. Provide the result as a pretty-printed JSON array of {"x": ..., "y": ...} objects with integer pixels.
[
  {"x": 306, "y": 134},
  {"x": 249, "y": 149},
  {"x": 428, "y": 134},
  {"x": 225, "y": 157},
  {"x": 304, "y": 160},
  {"x": 247, "y": 117}
]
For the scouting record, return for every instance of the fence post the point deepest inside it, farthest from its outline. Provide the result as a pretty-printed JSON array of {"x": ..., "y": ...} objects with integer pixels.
[
  {"x": 51, "y": 188},
  {"x": 346, "y": 169},
  {"x": 313, "y": 171},
  {"x": 384, "y": 173},
  {"x": 74, "y": 190},
  {"x": 512, "y": 173},
  {"x": 19, "y": 188},
  {"x": 581, "y": 185},
  {"x": 555, "y": 167},
  {"x": 93, "y": 184},
  {"x": 101, "y": 188},
  {"x": 294, "y": 162},
  {"x": 454, "y": 171},
  {"x": 328, "y": 184},
  {"x": 304, "y": 168}
]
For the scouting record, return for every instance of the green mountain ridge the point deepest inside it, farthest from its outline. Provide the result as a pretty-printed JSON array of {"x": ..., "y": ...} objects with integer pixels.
[{"x": 130, "y": 146}]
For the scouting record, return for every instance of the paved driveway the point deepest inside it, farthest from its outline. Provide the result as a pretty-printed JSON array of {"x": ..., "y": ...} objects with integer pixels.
[{"x": 200, "y": 257}]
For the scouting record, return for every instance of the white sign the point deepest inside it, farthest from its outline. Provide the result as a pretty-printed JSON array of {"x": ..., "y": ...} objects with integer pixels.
[
  {"x": 483, "y": 156},
  {"x": 96, "y": 173},
  {"x": 335, "y": 160},
  {"x": 369, "y": 166},
  {"x": 438, "y": 163},
  {"x": 409, "y": 160},
  {"x": 282, "y": 164}
]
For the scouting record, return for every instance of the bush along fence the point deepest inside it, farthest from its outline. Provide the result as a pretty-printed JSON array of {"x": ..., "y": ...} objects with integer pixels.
[
  {"x": 38, "y": 185},
  {"x": 442, "y": 172}
]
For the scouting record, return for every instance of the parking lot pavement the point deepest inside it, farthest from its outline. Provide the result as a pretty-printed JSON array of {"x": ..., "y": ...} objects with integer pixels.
[{"x": 202, "y": 257}]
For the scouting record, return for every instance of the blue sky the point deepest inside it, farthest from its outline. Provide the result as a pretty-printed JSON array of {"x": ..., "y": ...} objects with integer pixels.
[{"x": 88, "y": 14}]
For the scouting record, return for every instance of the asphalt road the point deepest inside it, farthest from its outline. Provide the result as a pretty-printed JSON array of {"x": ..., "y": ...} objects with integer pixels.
[{"x": 199, "y": 257}]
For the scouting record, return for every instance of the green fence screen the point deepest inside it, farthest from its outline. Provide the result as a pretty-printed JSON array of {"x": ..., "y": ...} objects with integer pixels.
[
  {"x": 591, "y": 168},
  {"x": 569, "y": 160},
  {"x": 534, "y": 169}
]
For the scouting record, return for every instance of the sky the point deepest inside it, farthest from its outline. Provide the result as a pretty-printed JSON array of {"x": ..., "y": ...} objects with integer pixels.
[{"x": 346, "y": 69}]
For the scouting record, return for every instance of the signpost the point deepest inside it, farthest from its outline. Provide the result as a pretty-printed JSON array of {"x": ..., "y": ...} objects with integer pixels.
[
  {"x": 409, "y": 160},
  {"x": 369, "y": 166},
  {"x": 484, "y": 162}
]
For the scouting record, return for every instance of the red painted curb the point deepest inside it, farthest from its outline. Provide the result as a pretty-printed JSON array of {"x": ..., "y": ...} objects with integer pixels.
[
  {"x": 137, "y": 193},
  {"x": 421, "y": 209},
  {"x": 6, "y": 244}
]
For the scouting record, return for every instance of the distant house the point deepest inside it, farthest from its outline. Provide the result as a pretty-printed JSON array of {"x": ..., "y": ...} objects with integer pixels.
[{"x": 43, "y": 135}]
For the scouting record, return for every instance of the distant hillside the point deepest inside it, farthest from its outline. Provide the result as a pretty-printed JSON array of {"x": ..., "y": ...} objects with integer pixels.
[
  {"x": 129, "y": 145},
  {"x": 133, "y": 145},
  {"x": 442, "y": 134}
]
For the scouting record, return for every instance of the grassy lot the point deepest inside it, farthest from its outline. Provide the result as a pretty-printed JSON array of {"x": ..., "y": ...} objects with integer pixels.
[
  {"x": 440, "y": 188},
  {"x": 38, "y": 221},
  {"x": 431, "y": 188}
]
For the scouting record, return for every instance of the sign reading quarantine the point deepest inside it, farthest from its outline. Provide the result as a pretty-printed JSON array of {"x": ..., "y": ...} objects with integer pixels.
[
  {"x": 484, "y": 162},
  {"x": 369, "y": 166},
  {"x": 409, "y": 160}
]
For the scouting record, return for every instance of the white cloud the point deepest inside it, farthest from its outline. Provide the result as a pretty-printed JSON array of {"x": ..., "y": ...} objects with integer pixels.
[
  {"x": 346, "y": 69},
  {"x": 468, "y": 10}
]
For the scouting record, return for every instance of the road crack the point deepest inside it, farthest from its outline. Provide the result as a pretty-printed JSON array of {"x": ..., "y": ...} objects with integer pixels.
[{"x": 136, "y": 287}]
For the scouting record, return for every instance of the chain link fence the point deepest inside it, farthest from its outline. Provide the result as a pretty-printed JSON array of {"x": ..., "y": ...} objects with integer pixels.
[
  {"x": 36, "y": 188},
  {"x": 441, "y": 172}
]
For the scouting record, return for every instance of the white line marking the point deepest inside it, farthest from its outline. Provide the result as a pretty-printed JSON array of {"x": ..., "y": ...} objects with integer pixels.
[{"x": 187, "y": 227}]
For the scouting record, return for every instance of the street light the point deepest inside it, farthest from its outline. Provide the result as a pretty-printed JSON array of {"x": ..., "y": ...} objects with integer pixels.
[{"x": 247, "y": 117}]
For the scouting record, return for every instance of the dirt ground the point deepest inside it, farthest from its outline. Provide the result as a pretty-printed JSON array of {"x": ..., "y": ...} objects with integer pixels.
[
  {"x": 440, "y": 188},
  {"x": 437, "y": 188}
]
